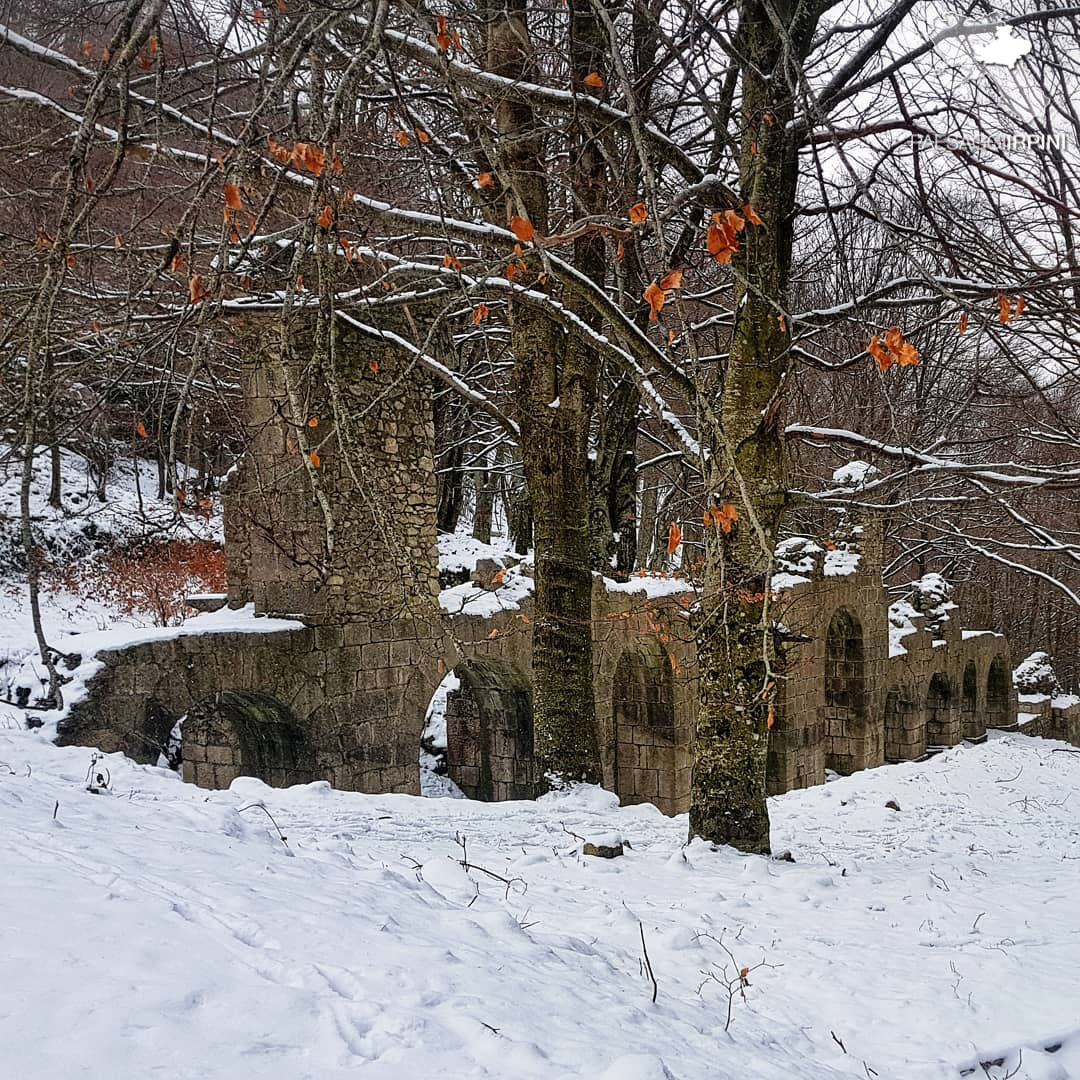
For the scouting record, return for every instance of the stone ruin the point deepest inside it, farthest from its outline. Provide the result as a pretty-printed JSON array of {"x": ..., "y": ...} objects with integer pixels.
[{"x": 340, "y": 692}]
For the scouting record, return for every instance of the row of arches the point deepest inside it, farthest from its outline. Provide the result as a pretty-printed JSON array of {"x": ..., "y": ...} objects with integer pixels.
[
  {"x": 945, "y": 714},
  {"x": 487, "y": 729}
]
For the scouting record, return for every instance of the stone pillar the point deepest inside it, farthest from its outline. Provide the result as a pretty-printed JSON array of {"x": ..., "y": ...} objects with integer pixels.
[{"x": 333, "y": 520}]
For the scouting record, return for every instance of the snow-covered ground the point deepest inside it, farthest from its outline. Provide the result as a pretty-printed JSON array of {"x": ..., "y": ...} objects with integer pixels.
[
  {"x": 73, "y": 535},
  {"x": 155, "y": 929}
]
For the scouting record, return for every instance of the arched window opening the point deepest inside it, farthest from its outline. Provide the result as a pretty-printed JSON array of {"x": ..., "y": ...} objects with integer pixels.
[
  {"x": 969, "y": 702},
  {"x": 244, "y": 733},
  {"x": 905, "y": 736},
  {"x": 998, "y": 696},
  {"x": 489, "y": 732},
  {"x": 845, "y": 694},
  {"x": 643, "y": 709},
  {"x": 939, "y": 712}
]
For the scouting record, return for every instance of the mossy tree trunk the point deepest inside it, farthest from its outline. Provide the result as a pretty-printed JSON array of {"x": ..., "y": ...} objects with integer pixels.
[
  {"x": 554, "y": 389},
  {"x": 736, "y": 657}
]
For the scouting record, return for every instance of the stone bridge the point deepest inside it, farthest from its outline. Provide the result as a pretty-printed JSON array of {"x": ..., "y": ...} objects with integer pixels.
[{"x": 330, "y": 522}]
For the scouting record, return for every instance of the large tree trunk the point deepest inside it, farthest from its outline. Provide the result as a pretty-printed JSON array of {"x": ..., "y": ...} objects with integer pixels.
[
  {"x": 554, "y": 399},
  {"x": 736, "y": 656}
]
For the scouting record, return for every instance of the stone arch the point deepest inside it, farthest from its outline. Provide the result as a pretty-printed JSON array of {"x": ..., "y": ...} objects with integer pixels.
[
  {"x": 998, "y": 696},
  {"x": 941, "y": 718},
  {"x": 845, "y": 693},
  {"x": 235, "y": 733},
  {"x": 969, "y": 703},
  {"x": 905, "y": 734},
  {"x": 489, "y": 731},
  {"x": 643, "y": 719}
]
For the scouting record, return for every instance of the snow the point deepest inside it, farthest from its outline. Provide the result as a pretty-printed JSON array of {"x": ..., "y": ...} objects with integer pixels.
[
  {"x": 72, "y": 536},
  {"x": 460, "y": 551},
  {"x": 652, "y": 586},
  {"x": 779, "y": 582},
  {"x": 901, "y": 623},
  {"x": 468, "y": 599},
  {"x": 180, "y": 936},
  {"x": 1035, "y": 674},
  {"x": 434, "y": 784},
  {"x": 23, "y": 668},
  {"x": 84, "y": 522},
  {"x": 855, "y": 473},
  {"x": 1005, "y": 49},
  {"x": 840, "y": 563}
]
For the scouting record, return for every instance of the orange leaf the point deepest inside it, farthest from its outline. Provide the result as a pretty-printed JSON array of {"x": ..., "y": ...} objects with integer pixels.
[
  {"x": 485, "y": 179},
  {"x": 674, "y": 538},
  {"x": 497, "y": 579},
  {"x": 442, "y": 38},
  {"x": 654, "y": 297},
  {"x": 1004, "y": 308},
  {"x": 118, "y": 243},
  {"x": 326, "y": 217},
  {"x": 313, "y": 421},
  {"x": 373, "y": 365},
  {"x": 451, "y": 262},
  {"x": 259, "y": 15},
  {"x": 879, "y": 353},
  {"x": 314, "y": 458},
  {"x": 594, "y": 79},
  {"x": 480, "y": 313},
  {"x": 522, "y": 229},
  {"x": 638, "y": 213},
  {"x": 309, "y": 157},
  {"x": 962, "y": 325},
  {"x": 727, "y": 516},
  {"x": 232, "y": 197},
  {"x": 493, "y": 634},
  {"x": 781, "y": 322},
  {"x": 422, "y": 135},
  {"x": 195, "y": 288},
  {"x": 751, "y": 215},
  {"x": 1021, "y": 303},
  {"x": 140, "y": 430},
  {"x": 620, "y": 251},
  {"x": 671, "y": 280}
]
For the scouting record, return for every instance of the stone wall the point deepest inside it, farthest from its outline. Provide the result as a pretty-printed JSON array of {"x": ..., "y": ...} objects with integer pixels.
[
  {"x": 330, "y": 516},
  {"x": 645, "y": 697}
]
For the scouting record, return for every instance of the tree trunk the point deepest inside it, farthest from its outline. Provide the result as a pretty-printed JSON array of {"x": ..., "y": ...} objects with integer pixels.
[
  {"x": 485, "y": 506},
  {"x": 736, "y": 655},
  {"x": 554, "y": 444}
]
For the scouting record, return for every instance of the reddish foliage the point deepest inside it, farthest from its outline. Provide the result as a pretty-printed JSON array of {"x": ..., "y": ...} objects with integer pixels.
[{"x": 148, "y": 578}]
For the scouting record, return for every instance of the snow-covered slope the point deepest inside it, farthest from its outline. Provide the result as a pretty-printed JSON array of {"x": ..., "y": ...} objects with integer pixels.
[{"x": 158, "y": 930}]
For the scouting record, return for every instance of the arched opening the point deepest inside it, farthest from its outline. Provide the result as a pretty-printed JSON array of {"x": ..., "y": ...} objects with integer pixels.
[
  {"x": 940, "y": 714},
  {"x": 998, "y": 697},
  {"x": 435, "y": 782},
  {"x": 845, "y": 694},
  {"x": 905, "y": 736},
  {"x": 244, "y": 733},
  {"x": 643, "y": 712},
  {"x": 969, "y": 703},
  {"x": 489, "y": 732}
]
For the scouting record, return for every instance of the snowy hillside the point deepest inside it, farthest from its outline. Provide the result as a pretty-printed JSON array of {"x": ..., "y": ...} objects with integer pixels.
[{"x": 154, "y": 929}]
